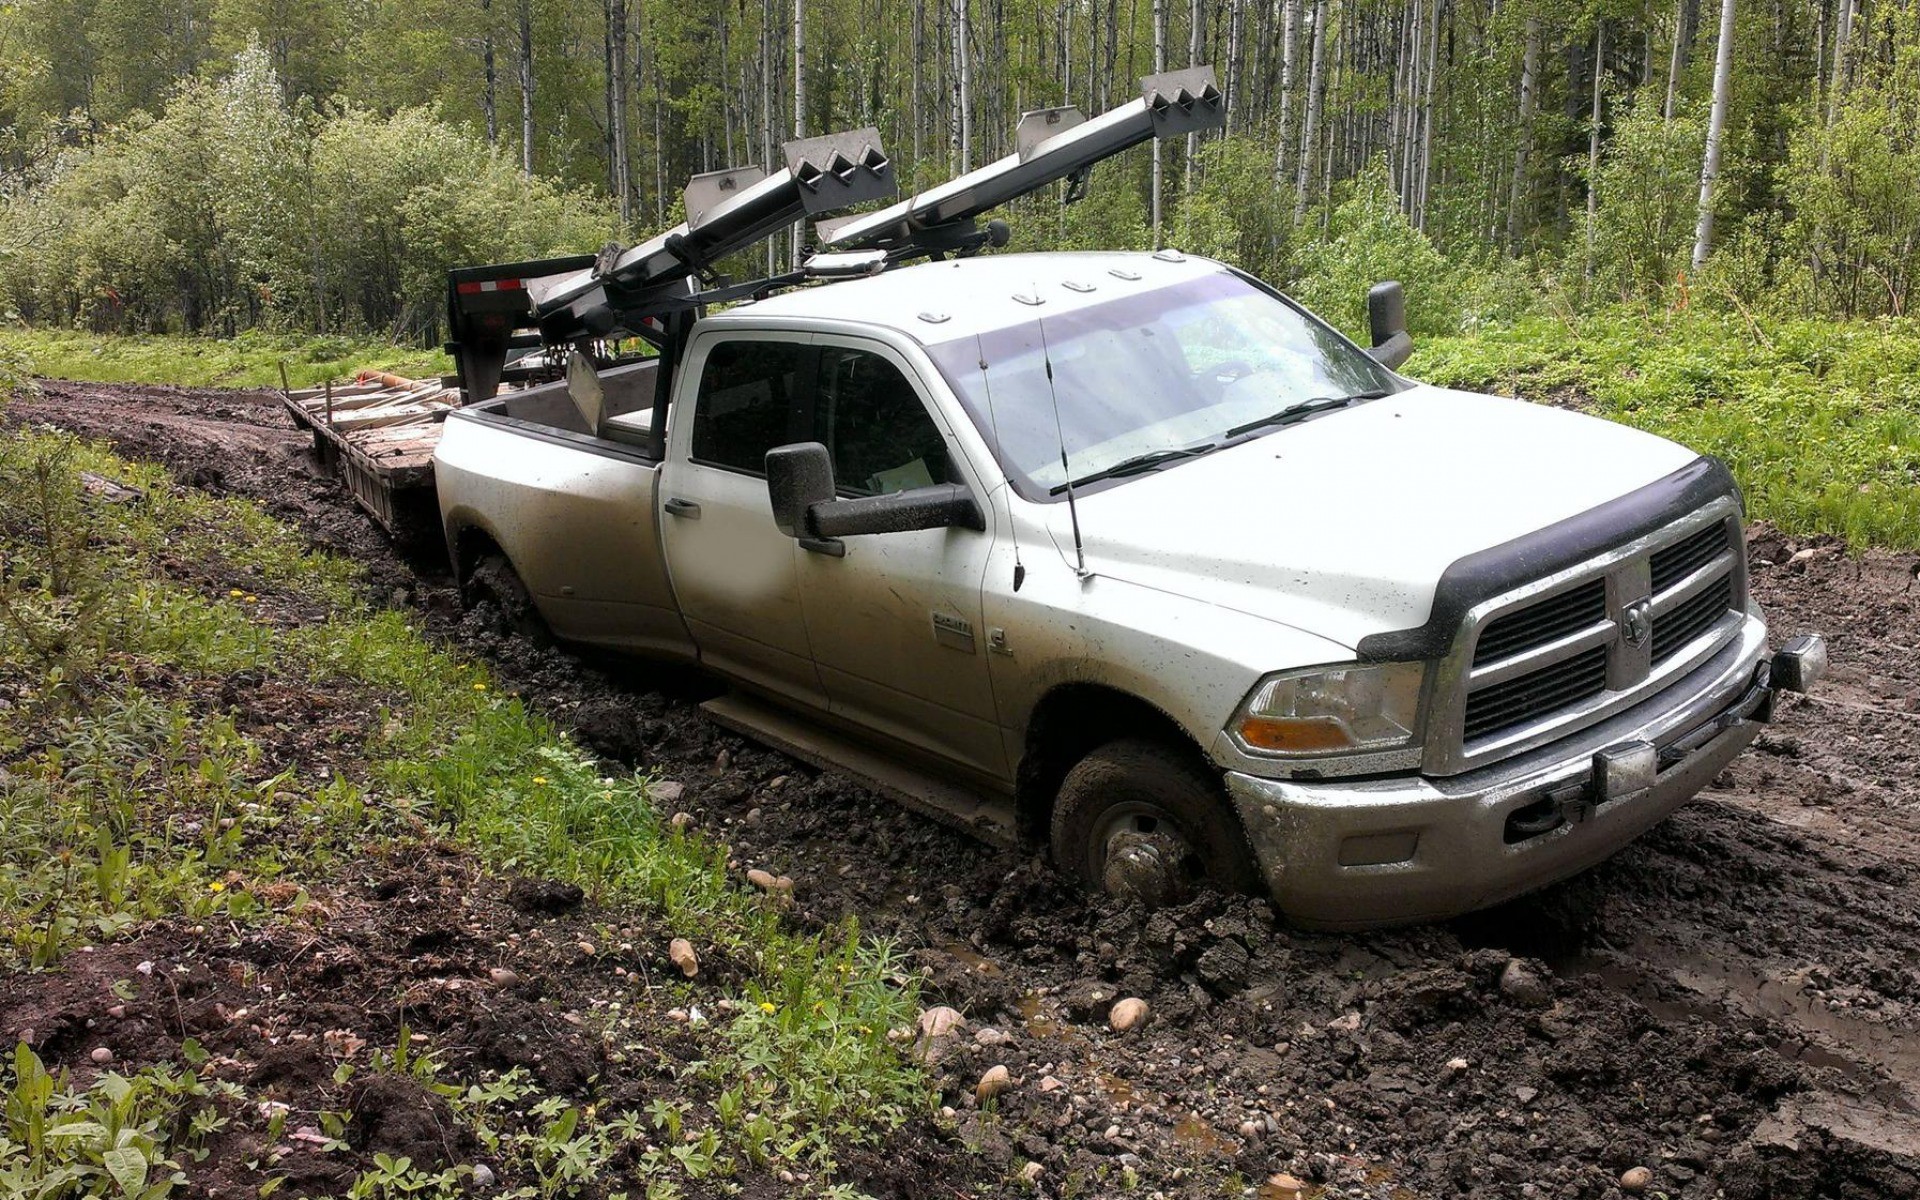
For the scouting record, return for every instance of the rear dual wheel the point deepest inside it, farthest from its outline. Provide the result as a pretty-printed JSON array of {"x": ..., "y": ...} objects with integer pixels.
[{"x": 1147, "y": 821}]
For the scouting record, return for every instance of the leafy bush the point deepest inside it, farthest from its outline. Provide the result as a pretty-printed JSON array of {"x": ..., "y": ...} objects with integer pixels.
[
  {"x": 231, "y": 208},
  {"x": 1366, "y": 240}
]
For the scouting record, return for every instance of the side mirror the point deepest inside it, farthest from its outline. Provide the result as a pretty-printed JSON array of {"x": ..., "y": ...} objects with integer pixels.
[
  {"x": 806, "y": 506},
  {"x": 798, "y": 477},
  {"x": 1387, "y": 321}
]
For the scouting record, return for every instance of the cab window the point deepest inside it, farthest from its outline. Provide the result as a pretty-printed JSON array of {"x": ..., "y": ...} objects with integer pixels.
[
  {"x": 748, "y": 398},
  {"x": 875, "y": 425}
]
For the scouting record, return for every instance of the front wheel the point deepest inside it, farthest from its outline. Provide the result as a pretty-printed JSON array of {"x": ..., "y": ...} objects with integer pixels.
[{"x": 1144, "y": 820}]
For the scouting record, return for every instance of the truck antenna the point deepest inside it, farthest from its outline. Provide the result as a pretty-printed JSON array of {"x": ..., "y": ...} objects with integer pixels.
[
  {"x": 993, "y": 419},
  {"x": 1073, "y": 509}
]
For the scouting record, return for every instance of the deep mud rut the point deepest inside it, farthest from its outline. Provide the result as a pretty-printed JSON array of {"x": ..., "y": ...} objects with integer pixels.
[{"x": 1732, "y": 1003}]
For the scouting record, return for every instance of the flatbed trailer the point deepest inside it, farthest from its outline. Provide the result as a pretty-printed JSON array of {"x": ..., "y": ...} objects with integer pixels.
[{"x": 378, "y": 435}]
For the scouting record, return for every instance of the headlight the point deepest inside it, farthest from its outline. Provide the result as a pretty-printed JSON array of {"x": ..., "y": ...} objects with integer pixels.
[{"x": 1333, "y": 710}]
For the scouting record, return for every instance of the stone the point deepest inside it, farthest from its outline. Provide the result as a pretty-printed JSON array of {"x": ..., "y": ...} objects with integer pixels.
[
  {"x": 101, "y": 1055},
  {"x": 1282, "y": 1187},
  {"x": 1032, "y": 1172},
  {"x": 996, "y": 1080},
  {"x": 682, "y": 821},
  {"x": 940, "y": 1021},
  {"x": 503, "y": 976},
  {"x": 1456, "y": 1066},
  {"x": 666, "y": 791},
  {"x": 482, "y": 1175},
  {"x": 1521, "y": 984},
  {"x": 989, "y": 1036},
  {"x": 680, "y": 950},
  {"x": 1636, "y": 1180},
  {"x": 1129, "y": 1013},
  {"x": 761, "y": 879}
]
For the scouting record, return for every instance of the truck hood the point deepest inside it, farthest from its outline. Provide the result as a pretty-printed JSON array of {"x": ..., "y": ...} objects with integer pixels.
[{"x": 1342, "y": 525}]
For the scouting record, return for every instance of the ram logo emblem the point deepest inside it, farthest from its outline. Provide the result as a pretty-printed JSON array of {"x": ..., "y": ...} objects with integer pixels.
[{"x": 1636, "y": 623}]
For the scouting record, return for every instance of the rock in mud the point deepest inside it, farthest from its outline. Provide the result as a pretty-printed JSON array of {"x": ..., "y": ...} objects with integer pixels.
[
  {"x": 1224, "y": 965},
  {"x": 1130, "y": 1013},
  {"x": 996, "y": 1080},
  {"x": 1522, "y": 984},
  {"x": 761, "y": 879},
  {"x": 666, "y": 792},
  {"x": 682, "y": 821},
  {"x": 1636, "y": 1180},
  {"x": 1032, "y": 1172},
  {"x": 503, "y": 976},
  {"x": 680, "y": 950},
  {"x": 940, "y": 1021}
]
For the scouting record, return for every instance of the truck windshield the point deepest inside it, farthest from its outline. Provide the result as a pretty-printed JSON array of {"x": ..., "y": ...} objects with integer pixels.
[{"x": 1147, "y": 379}]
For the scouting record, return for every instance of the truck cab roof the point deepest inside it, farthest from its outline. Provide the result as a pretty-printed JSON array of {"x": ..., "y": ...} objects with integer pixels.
[{"x": 937, "y": 302}]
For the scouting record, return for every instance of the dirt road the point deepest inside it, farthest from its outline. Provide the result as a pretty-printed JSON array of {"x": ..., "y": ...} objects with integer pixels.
[{"x": 1733, "y": 1003}]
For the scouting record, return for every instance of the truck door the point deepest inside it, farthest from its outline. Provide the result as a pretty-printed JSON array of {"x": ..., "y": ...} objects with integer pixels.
[
  {"x": 732, "y": 569},
  {"x": 895, "y": 624}
]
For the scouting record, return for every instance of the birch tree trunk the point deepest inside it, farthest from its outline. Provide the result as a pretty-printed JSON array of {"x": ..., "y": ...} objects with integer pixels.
[
  {"x": 526, "y": 86},
  {"x": 1193, "y": 60},
  {"x": 490, "y": 101},
  {"x": 799, "y": 110},
  {"x": 1686, "y": 14},
  {"x": 1159, "y": 65},
  {"x": 1523, "y": 150},
  {"x": 963, "y": 76},
  {"x": 1289, "y": 22},
  {"x": 1593, "y": 136},
  {"x": 1426, "y": 117},
  {"x": 1842, "y": 28},
  {"x": 1310, "y": 128},
  {"x": 1716, "y": 126}
]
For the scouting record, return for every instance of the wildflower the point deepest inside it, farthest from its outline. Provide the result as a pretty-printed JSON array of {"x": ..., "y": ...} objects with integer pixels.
[
  {"x": 540, "y": 779},
  {"x": 216, "y": 886},
  {"x": 253, "y": 599},
  {"x": 479, "y": 687},
  {"x": 766, "y": 1006},
  {"x": 236, "y": 593}
]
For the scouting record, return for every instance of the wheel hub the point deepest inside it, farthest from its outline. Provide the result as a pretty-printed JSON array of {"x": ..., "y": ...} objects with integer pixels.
[{"x": 1154, "y": 869}]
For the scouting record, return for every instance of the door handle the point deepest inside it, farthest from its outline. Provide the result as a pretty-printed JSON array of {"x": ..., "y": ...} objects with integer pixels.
[{"x": 683, "y": 508}]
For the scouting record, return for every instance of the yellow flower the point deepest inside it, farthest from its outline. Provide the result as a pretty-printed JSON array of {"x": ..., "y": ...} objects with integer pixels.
[
  {"x": 236, "y": 593},
  {"x": 539, "y": 778},
  {"x": 253, "y": 599},
  {"x": 479, "y": 687},
  {"x": 216, "y": 886},
  {"x": 766, "y": 1006}
]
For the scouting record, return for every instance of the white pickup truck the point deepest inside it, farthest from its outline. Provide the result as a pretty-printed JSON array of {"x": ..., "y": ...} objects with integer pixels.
[{"x": 1130, "y": 553}]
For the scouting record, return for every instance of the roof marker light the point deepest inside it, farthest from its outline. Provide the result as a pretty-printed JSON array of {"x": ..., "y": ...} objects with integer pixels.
[
  {"x": 1074, "y": 285},
  {"x": 1123, "y": 273}
]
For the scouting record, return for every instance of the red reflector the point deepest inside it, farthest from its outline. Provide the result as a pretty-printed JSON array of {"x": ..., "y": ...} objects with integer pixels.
[{"x": 475, "y": 286}]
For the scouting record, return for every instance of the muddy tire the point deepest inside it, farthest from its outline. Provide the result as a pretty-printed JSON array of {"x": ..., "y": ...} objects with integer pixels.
[
  {"x": 1157, "y": 806},
  {"x": 495, "y": 584}
]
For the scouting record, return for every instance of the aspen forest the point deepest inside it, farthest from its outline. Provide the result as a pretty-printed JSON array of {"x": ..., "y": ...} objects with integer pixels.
[{"x": 215, "y": 165}]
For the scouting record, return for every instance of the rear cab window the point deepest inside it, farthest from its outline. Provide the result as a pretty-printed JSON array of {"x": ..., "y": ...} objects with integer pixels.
[{"x": 750, "y": 400}]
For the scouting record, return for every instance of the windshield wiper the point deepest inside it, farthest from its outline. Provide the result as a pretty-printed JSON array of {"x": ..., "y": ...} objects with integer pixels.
[
  {"x": 1135, "y": 465},
  {"x": 1301, "y": 410}
]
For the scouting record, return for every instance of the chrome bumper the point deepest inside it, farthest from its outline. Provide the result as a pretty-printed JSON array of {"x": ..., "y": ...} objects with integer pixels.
[{"x": 1346, "y": 855}]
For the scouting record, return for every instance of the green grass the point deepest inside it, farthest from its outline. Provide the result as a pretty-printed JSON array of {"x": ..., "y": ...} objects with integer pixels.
[
  {"x": 1819, "y": 420},
  {"x": 129, "y": 794},
  {"x": 250, "y": 360}
]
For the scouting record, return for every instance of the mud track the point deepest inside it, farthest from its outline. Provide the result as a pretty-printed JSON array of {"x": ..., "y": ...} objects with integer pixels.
[{"x": 1732, "y": 1003}]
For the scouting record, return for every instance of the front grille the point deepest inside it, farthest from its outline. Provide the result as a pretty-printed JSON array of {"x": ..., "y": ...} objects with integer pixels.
[
  {"x": 1673, "y": 563},
  {"x": 1676, "y": 629},
  {"x": 1555, "y": 686},
  {"x": 1538, "y": 624},
  {"x": 1587, "y": 649}
]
